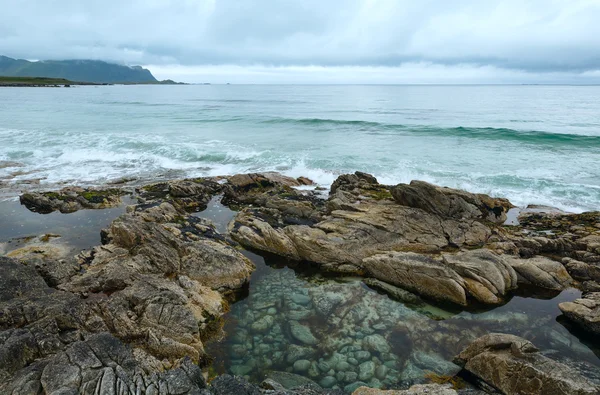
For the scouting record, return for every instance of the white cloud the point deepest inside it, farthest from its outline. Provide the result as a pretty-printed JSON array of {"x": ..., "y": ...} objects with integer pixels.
[{"x": 540, "y": 36}]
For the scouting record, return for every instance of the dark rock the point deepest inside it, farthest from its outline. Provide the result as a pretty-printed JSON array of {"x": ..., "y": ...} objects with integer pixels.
[
  {"x": 186, "y": 195},
  {"x": 451, "y": 203},
  {"x": 69, "y": 200}
]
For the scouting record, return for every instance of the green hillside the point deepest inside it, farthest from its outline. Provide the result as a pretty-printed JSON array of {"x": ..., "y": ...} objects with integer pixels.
[{"x": 76, "y": 70}]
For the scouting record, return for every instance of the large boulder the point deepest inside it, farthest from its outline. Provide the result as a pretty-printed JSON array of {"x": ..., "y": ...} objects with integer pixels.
[
  {"x": 418, "y": 273},
  {"x": 480, "y": 274},
  {"x": 584, "y": 312},
  {"x": 514, "y": 365},
  {"x": 451, "y": 203}
]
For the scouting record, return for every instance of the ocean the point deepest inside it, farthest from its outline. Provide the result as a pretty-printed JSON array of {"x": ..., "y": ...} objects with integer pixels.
[{"x": 531, "y": 144}]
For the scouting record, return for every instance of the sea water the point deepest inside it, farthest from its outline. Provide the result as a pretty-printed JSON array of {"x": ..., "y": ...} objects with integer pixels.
[{"x": 532, "y": 144}]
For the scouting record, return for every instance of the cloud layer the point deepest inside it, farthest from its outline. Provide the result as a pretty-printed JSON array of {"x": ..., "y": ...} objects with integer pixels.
[{"x": 516, "y": 38}]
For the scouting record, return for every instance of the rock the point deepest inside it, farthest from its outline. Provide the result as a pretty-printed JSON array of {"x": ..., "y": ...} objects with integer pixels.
[
  {"x": 300, "y": 299},
  {"x": 381, "y": 372},
  {"x": 398, "y": 294},
  {"x": 290, "y": 380},
  {"x": 376, "y": 343},
  {"x": 263, "y": 325},
  {"x": 350, "y": 388},
  {"x": 366, "y": 370},
  {"x": 419, "y": 389},
  {"x": 302, "y": 333},
  {"x": 257, "y": 234},
  {"x": 52, "y": 259},
  {"x": 418, "y": 273},
  {"x": 295, "y": 352},
  {"x": 187, "y": 195},
  {"x": 100, "y": 364},
  {"x": 301, "y": 365},
  {"x": 481, "y": 274},
  {"x": 227, "y": 385},
  {"x": 513, "y": 365},
  {"x": 362, "y": 355},
  {"x": 584, "y": 312},
  {"x": 541, "y": 272},
  {"x": 582, "y": 271},
  {"x": 327, "y": 382},
  {"x": 69, "y": 200},
  {"x": 451, "y": 203},
  {"x": 435, "y": 363},
  {"x": 364, "y": 223},
  {"x": 487, "y": 276}
]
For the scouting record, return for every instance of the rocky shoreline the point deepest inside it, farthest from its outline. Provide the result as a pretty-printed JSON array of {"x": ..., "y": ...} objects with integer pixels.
[{"x": 133, "y": 315}]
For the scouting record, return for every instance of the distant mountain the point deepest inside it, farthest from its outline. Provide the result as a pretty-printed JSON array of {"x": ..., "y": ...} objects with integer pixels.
[{"x": 76, "y": 70}]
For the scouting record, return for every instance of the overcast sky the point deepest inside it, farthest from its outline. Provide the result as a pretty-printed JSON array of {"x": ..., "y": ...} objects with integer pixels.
[{"x": 317, "y": 41}]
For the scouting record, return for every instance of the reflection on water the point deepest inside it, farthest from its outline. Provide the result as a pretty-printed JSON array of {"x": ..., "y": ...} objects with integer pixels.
[
  {"x": 341, "y": 334},
  {"x": 80, "y": 229}
]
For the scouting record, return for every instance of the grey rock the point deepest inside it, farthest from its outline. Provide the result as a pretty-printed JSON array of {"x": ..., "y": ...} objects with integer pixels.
[
  {"x": 302, "y": 333},
  {"x": 585, "y": 312},
  {"x": 301, "y": 365},
  {"x": 366, "y": 370},
  {"x": 514, "y": 366}
]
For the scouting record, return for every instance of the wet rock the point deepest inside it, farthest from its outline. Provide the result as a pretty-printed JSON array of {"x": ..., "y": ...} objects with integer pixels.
[
  {"x": 366, "y": 370},
  {"x": 513, "y": 365},
  {"x": 301, "y": 365},
  {"x": 72, "y": 199},
  {"x": 398, "y": 294},
  {"x": 187, "y": 195},
  {"x": 451, "y": 203},
  {"x": 302, "y": 333},
  {"x": 584, "y": 312},
  {"x": 52, "y": 259},
  {"x": 541, "y": 272},
  {"x": 263, "y": 325},
  {"x": 376, "y": 343},
  {"x": 290, "y": 380},
  {"x": 328, "y": 382},
  {"x": 295, "y": 352},
  {"x": 419, "y": 389},
  {"x": 435, "y": 363}
]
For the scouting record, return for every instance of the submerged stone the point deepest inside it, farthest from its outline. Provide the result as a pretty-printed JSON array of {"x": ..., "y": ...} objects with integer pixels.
[
  {"x": 366, "y": 370},
  {"x": 302, "y": 333},
  {"x": 328, "y": 382},
  {"x": 376, "y": 343},
  {"x": 301, "y": 365}
]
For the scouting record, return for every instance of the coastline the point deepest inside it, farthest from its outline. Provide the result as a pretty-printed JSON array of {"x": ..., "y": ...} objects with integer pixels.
[{"x": 287, "y": 220}]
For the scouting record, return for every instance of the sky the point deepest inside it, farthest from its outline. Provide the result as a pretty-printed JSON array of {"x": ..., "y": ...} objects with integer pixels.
[{"x": 317, "y": 41}]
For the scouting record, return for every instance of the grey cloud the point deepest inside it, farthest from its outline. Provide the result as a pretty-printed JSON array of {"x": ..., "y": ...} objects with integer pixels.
[{"x": 534, "y": 36}]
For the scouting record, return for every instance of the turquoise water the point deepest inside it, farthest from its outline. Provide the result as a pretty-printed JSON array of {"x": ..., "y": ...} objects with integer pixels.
[
  {"x": 342, "y": 334},
  {"x": 532, "y": 144}
]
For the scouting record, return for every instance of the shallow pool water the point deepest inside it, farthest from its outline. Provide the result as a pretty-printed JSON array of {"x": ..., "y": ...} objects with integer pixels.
[
  {"x": 341, "y": 334},
  {"x": 80, "y": 229}
]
